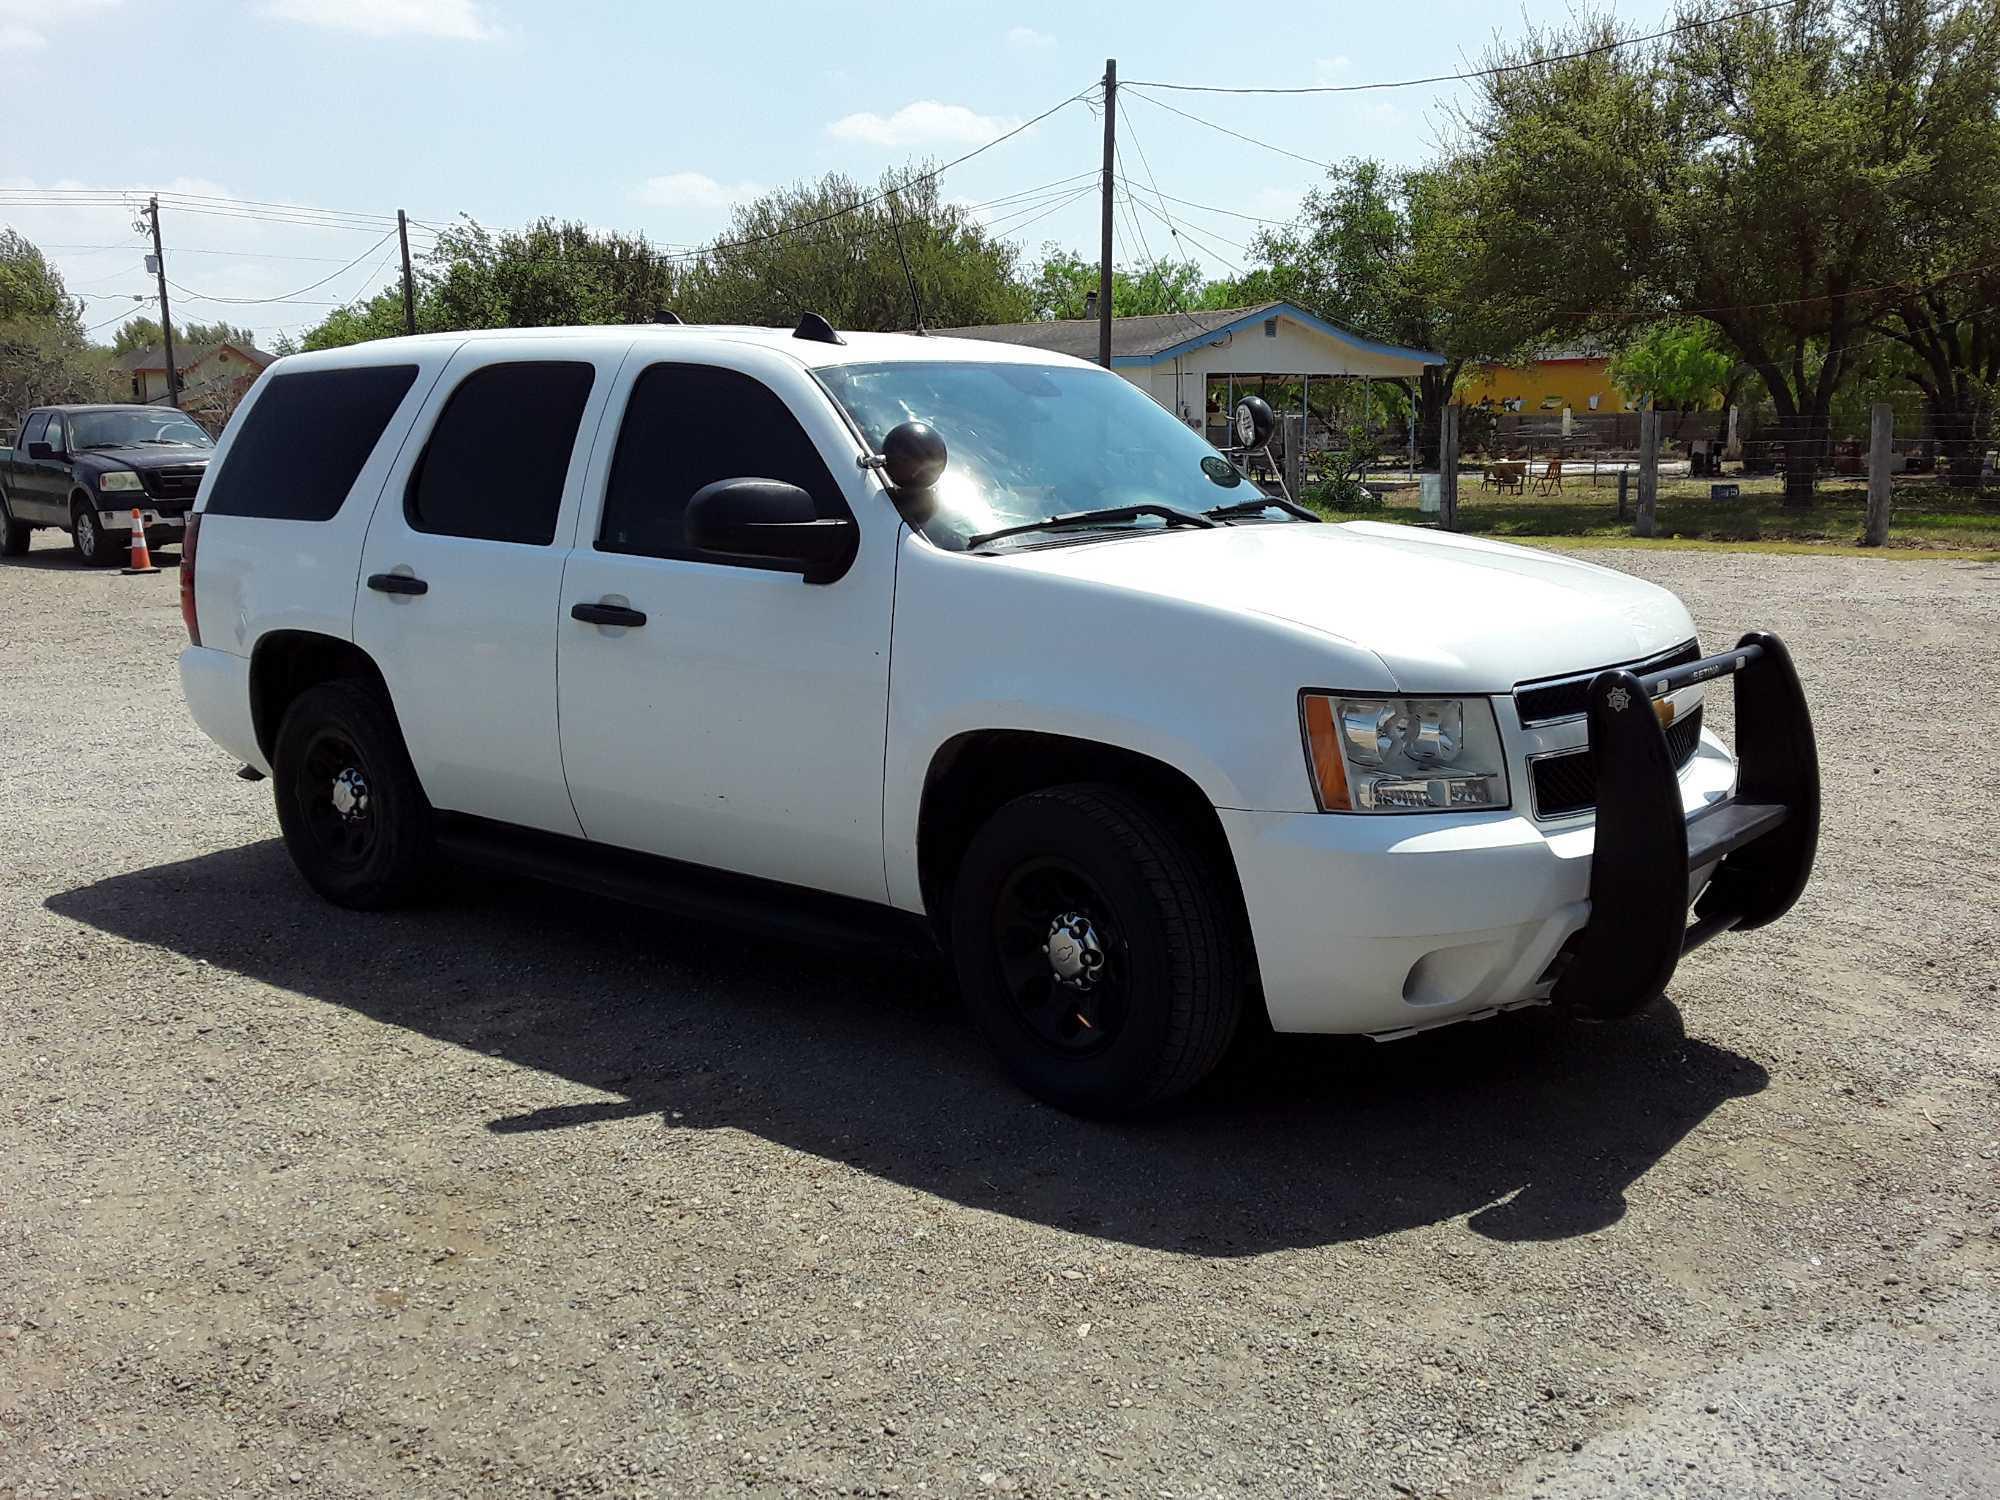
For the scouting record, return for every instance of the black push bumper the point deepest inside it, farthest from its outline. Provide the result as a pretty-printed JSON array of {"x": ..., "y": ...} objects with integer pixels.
[{"x": 1760, "y": 844}]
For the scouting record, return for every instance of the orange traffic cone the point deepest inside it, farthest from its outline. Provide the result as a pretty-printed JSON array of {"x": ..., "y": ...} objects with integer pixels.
[{"x": 142, "y": 555}]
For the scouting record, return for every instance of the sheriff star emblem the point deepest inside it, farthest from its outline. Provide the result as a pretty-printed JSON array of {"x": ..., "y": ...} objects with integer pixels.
[{"x": 1619, "y": 700}]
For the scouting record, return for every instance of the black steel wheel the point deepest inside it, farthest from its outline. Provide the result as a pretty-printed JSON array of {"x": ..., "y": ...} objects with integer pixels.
[
  {"x": 355, "y": 819},
  {"x": 1093, "y": 945}
]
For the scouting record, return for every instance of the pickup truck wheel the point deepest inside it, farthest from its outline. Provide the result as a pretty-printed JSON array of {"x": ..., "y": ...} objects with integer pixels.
[
  {"x": 93, "y": 544},
  {"x": 13, "y": 534},
  {"x": 1093, "y": 948},
  {"x": 355, "y": 818}
]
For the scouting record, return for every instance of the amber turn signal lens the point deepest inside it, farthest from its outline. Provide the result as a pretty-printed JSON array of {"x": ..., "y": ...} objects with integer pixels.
[{"x": 1323, "y": 750}]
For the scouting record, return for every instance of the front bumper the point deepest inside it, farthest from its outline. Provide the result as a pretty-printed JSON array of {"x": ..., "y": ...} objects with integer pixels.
[
  {"x": 119, "y": 518},
  {"x": 1389, "y": 925}
]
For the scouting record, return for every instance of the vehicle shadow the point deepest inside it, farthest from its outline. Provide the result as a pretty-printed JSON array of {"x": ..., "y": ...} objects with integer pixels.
[
  {"x": 1532, "y": 1125},
  {"x": 63, "y": 559}
]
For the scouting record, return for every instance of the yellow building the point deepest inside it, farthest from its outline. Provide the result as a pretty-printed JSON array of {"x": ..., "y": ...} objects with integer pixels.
[{"x": 1577, "y": 378}]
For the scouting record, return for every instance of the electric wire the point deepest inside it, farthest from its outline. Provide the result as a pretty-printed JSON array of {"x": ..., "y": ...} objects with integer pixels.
[{"x": 290, "y": 296}]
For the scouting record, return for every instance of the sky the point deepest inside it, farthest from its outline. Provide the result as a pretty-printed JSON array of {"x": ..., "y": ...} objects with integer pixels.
[{"x": 655, "y": 118}]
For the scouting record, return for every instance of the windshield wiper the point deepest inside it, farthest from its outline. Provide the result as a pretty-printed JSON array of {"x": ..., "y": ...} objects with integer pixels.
[
  {"x": 1256, "y": 507},
  {"x": 1109, "y": 517}
]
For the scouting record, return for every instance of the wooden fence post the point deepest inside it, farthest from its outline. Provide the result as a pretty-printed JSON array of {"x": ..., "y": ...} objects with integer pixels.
[
  {"x": 1881, "y": 437},
  {"x": 1624, "y": 503},
  {"x": 1448, "y": 470},
  {"x": 1649, "y": 471}
]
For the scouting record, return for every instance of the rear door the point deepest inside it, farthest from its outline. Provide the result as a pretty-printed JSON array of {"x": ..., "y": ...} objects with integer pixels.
[
  {"x": 28, "y": 485},
  {"x": 741, "y": 726},
  {"x": 462, "y": 568}
]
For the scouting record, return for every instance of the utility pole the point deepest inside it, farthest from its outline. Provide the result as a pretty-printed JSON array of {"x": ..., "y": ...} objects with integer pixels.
[
  {"x": 166, "y": 312},
  {"x": 409, "y": 288},
  {"x": 1104, "y": 248}
]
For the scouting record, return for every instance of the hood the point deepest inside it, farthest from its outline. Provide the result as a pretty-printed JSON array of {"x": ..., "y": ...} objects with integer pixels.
[
  {"x": 145, "y": 456},
  {"x": 1444, "y": 613}
]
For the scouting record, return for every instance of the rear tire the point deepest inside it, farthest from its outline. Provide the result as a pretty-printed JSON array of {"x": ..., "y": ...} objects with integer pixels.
[
  {"x": 14, "y": 534},
  {"x": 1137, "y": 993},
  {"x": 355, "y": 818}
]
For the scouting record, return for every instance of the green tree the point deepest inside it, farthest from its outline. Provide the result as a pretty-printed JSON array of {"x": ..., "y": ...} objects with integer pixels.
[
  {"x": 43, "y": 357},
  {"x": 1769, "y": 173},
  {"x": 140, "y": 332},
  {"x": 198, "y": 335},
  {"x": 1394, "y": 255},
  {"x": 837, "y": 247},
  {"x": 1679, "y": 364},
  {"x": 1062, "y": 281}
]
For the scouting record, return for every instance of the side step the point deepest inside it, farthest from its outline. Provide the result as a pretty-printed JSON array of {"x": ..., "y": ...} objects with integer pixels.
[{"x": 741, "y": 902}]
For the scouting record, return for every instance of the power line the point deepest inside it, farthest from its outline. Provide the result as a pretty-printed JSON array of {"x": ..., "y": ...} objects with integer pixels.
[
  {"x": 1490, "y": 72},
  {"x": 1208, "y": 207},
  {"x": 1311, "y": 161},
  {"x": 290, "y": 296}
]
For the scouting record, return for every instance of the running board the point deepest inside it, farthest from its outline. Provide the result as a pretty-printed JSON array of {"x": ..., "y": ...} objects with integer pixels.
[{"x": 740, "y": 902}]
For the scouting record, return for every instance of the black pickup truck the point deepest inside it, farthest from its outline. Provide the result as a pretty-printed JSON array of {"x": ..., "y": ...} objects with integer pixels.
[{"x": 85, "y": 469}]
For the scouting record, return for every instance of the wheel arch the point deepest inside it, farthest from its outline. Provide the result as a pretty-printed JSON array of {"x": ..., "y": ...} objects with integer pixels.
[
  {"x": 284, "y": 663},
  {"x": 973, "y": 774}
]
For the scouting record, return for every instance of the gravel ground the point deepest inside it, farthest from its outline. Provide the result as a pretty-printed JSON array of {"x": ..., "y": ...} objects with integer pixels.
[{"x": 522, "y": 1194}]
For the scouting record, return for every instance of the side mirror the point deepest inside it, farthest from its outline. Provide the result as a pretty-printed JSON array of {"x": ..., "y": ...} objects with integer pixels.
[
  {"x": 772, "y": 521},
  {"x": 41, "y": 451},
  {"x": 913, "y": 456},
  {"x": 1254, "y": 423}
]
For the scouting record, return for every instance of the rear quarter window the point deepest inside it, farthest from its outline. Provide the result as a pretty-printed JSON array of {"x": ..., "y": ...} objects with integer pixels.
[{"x": 304, "y": 441}]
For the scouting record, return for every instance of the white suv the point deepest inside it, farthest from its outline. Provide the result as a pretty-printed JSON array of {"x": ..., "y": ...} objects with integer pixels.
[{"x": 967, "y": 642}]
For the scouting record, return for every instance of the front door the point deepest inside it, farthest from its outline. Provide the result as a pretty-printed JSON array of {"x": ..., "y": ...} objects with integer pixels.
[
  {"x": 48, "y": 480},
  {"x": 461, "y": 571},
  {"x": 742, "y": 725}
]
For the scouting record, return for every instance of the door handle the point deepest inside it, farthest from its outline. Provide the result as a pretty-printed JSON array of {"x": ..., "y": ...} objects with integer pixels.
[
  {"x": 606, "y": 614},
  {"x": 397, "y": 583}
]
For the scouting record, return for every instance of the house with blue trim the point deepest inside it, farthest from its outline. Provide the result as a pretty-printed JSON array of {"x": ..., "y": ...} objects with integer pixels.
[{"x": 1194, "y": 363}]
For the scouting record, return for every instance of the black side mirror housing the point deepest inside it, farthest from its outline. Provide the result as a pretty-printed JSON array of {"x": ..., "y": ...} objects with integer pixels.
[
  {"x": 773, "y": 522},
  {"x": 41, "y": 451}
]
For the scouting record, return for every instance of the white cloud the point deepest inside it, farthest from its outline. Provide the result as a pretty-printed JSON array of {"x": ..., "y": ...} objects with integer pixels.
[
  {"x": 924, "y": 123},
  {"x": 1027, "y": 39},
  {"x": 1330, "y": 69},
  {"x": 694, "y": 190},
  {"x": 453, "y": 20},
  {"x": 23, "y": 23}
]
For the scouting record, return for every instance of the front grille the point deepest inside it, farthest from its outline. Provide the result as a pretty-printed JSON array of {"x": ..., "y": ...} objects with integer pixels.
[
  {"x": 1569, "y": 697},
  {"x": 177, "y": 483},
  {"x": 1567, "y": 783}
]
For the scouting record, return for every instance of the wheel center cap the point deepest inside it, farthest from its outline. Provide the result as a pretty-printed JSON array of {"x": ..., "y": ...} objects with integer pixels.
[
  {"x": 1075, "y": 955},
  {"x": 350, "y": 794}
]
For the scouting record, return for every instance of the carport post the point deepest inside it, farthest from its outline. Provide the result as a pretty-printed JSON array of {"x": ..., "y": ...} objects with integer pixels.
[
  {"x": 1649, "y": 470},
  {"x": 1448, "y": 469},
  {"x": 1881, "y": 436}
]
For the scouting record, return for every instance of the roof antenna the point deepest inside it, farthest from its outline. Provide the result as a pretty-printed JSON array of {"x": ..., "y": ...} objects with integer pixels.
[
  {"x": 916, "y": 301},
  {"x": 813, "y": 326}
]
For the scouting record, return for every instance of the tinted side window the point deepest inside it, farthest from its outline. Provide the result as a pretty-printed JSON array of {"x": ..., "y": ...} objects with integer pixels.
[
  {"x": 495, "y": 462},
  {"x": 687, "y": 426},
  {"x": 305, "y": 440},
  {"x": 54, "y": 435},
  {"x": 32, "y": 433}
]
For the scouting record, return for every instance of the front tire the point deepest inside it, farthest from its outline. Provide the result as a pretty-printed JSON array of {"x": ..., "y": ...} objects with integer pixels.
[
  {"x": 1094, "y": 949},
  {"x": 94, "y": 548},
  {"x": 355, "y": 818}
]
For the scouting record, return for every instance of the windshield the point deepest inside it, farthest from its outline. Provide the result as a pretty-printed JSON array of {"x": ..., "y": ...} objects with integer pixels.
[
  {"x": 134, "y": 428},
  {"x": 1027, "y": 442}
]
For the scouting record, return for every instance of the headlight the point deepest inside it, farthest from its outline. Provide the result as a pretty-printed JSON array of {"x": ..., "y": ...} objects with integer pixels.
[
  {"x": 119, "y": 479},
  {"x": 1403, "y": 754}
]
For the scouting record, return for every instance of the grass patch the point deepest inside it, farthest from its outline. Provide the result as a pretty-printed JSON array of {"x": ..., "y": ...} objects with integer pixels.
[{"x": 1927, "y": 518}]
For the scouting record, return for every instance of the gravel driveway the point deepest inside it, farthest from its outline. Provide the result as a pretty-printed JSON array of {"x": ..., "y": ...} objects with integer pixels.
[{"x": 527, "y": 1194}]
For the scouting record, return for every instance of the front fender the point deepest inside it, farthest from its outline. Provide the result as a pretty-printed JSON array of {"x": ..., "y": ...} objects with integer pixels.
[{"x": 1210, "y": 692}]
